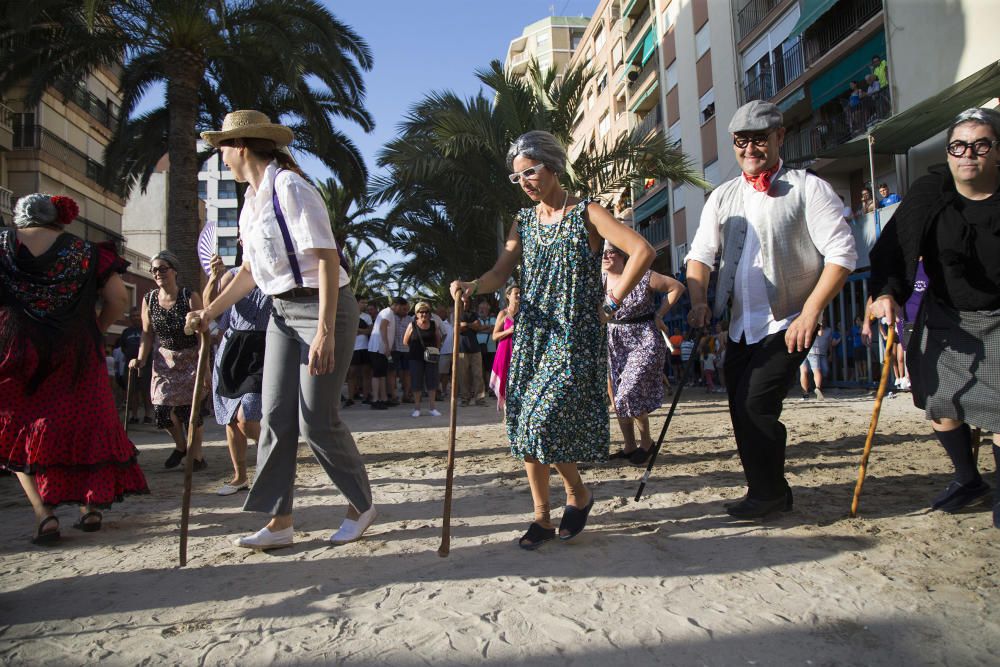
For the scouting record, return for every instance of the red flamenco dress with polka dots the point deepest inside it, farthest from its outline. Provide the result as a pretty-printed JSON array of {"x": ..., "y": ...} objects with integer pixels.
[{"x": 58, "y": 419}]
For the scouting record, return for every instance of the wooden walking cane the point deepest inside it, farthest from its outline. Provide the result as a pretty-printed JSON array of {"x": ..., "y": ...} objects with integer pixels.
[
  {"x": 685, "y": 370},
  {"x": 199, "y": 390},
  {"x": 890, "y": 341},
  {"x": 445, "y": 547},
  {"x": 128, "y": 395}
]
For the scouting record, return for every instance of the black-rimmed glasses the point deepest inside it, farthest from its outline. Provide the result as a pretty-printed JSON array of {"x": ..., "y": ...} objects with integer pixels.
[
  {"x": 980, "y": 147},
  {"x": 530, "y": 172},
  {"x": 758, "y": 140},
  {"x": 159, "y": 269}
]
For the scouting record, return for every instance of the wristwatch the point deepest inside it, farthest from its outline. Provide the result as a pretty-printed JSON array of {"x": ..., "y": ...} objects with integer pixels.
[{"x": 610, "y": 306}]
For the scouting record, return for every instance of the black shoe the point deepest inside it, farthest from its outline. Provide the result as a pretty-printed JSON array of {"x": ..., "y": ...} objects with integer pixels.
[
  {"x": 198, "y": 466},
  {"x": 133, "y": 420},
  {"x": 640, "y": 456},
  {"x": 348, "y": 403},
  {"x": 620, "y": 454},
  {"x": 788, "y": 501},
  {"x": 89, "y": 526},
  {"x": 751, "y": 508},
  {"x": 958, "y": 495},
  {"x": 174, "y": 459},
  {"x": 574, "y": 519},
  {"x": 390, "y": 404},
  {"x": 536, "y": 537},
  {"x": 380, "y": 405}
]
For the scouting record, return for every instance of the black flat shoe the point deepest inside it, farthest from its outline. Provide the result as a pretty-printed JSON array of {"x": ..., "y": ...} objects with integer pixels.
[
  {"x": 89, "y": 526},
  {"x": 198, "y": 466},
  {"x": 174, "y": 459},
  {"x": 45, "y": 538},
  {"x": 640, "y": 456},
  {"x": 620, "y": 454},
  {"x": 957, "y": 495},
  {"x": 574, "y": 520},
  {"x": 536, "y": 536},
  {"x": 788, "y": 501},
  {"x": 751, "y": 508}
]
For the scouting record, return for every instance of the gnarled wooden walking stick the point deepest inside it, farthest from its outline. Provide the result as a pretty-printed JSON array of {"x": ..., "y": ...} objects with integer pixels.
[
  {"x": 199, "y": 390},
  {"x": 445, "y": 547},
  {"x": 890, "y": 341},
  {"x": 128, "y": 395}
]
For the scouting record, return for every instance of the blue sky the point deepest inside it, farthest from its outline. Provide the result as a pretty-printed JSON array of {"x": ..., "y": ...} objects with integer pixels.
[{"x": 432, "y": 45}]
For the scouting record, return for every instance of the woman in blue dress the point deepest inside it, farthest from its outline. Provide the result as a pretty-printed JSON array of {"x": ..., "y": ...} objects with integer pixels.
[
  {"x": 557, "y": 410},
  {"x": 238, "y": 407}
]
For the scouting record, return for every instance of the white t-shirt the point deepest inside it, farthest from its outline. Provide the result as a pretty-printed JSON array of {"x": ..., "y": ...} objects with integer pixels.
[
  {"x": 375, "y": 341},
  {"x": 308, "y": 225},
  {"x": 361, "y": 340},
  {"x": 447, "y": 334}
]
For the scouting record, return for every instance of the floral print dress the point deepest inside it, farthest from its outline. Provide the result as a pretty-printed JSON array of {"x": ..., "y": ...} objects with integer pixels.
[
  {"x": 636, "y": 353},
  {"x": 556, "y": 400}
]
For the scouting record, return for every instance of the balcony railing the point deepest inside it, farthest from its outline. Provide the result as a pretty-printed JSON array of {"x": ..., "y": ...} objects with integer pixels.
[
  {"x": 637, "y": 27},
  {"x": 837, "y": 25},
  {"x": 787, "y": 69},
  {"x": 642, "y": 74},
  {"x": 650, "y": 122},
  {"x": 37, "y": 138},
  {"x": 89, "y": 102},
  {"x": 841, "y": 127},
  {"x": 797, "y": 148},
  {"x": 6, "y": 203},
  {"x": 750, "y": 16},
  {"x": 657, "y": 231},
  {"x": 6, "y": 118}
]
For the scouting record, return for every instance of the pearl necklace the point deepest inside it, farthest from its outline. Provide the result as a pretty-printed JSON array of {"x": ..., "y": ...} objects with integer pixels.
[{"x": 538, "y": 228}]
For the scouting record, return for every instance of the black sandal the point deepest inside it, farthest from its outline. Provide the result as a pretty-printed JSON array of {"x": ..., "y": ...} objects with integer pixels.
[
  {"x": 620, "y": 454},
  {"x": 89, "y": 526},
  {"x": 574, "y": 520},
  {"x": 174, "y": 459},
  {"x": 536, "y": 536},
  {"x": 46, "y": 538},
  {"x": 640, "y": 456}
]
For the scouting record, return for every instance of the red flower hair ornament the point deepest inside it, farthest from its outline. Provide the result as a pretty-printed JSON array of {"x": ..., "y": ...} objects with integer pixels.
[{"x": 67, "y": 209}]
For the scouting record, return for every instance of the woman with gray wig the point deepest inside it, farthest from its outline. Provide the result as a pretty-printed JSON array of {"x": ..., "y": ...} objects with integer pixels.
[
  {"x": 951, "y": 219},
  {"x": 59, "y": 428},
  {"x": 557, "y": 410}
]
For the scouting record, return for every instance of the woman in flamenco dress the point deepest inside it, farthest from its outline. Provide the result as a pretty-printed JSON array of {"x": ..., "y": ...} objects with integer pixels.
[{"x": 59, "y": 428}]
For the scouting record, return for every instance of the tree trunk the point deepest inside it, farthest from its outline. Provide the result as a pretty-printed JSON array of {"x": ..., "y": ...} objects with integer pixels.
[{"x": 184, "y": 71}]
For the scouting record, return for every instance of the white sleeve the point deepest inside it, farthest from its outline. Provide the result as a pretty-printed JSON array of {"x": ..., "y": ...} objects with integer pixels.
[
  {"x": 827, "y": 227},
  {"x": 705, "y": 245},
  {"x": 305, "y": 213}
]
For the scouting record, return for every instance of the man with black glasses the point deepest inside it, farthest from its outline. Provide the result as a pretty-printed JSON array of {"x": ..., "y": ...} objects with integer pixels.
[
  {"x": 951, "y": 218},
  {"x": 786, "y": 252}
]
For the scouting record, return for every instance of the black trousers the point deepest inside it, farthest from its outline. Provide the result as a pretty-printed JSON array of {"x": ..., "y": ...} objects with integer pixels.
[{"x": 757, "y": 381}]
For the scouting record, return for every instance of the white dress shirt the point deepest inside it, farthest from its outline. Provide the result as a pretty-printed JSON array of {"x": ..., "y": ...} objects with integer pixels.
[
  {"x": 376, "y": 343},
  {"x": 752, "y": 316},
  {"x": 308, "y": 225}
]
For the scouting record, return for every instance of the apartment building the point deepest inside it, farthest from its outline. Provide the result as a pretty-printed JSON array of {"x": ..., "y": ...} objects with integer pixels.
[
  {"x": 551, "y": 41},
  {"x": 217, "y": 188}
]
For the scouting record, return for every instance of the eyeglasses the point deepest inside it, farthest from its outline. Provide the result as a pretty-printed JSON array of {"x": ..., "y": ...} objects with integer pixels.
[
  {"x": 423, "y": 312},
  {"x": 159, "y": 269},
  {"x": 980, "y": 147},
  {"x": 758, "y": 140},
  {"x": 608, "y": 254},
  {"x": 530, "y": 172}
]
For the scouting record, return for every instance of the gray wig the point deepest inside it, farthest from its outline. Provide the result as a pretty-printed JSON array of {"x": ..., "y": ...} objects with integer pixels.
[
  {"x": 979, "y": 116},
  {"x": 36, "y": 210},
  {"x": 539, "y": 145}
]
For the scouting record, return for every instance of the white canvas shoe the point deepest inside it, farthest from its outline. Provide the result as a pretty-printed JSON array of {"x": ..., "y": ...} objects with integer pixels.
[
  {"x": 416, "y": 413},
  {"x": 352, "y": 529},
  {"x": 267, "y": 539},
  {"x": 435, "y": 413}
]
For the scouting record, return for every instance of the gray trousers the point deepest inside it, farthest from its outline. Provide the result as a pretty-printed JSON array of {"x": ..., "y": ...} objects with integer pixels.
[{"x": 295, "y": 403}]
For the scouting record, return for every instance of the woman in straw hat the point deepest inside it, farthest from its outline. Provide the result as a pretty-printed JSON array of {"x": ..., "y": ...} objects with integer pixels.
[{"x": 290, "y": 254}]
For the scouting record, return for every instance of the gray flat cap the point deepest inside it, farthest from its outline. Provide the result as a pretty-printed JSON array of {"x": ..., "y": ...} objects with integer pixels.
[{"x": 756, "y": 116}]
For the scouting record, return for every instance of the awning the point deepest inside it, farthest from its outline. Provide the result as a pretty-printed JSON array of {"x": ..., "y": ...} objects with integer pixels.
[
  {"x": 835, "y": 81},
  {"x": 651, "y": 205},
  {"x": 898, "y": 134},
  {"x": 809, "y": 12},
  {"x": 645, "y": 48},
  {"x": 793, "y": 99},
  {"x": 645, "y": 95}
]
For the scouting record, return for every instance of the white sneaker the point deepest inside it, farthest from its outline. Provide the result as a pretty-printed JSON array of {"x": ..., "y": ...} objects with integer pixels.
[
  {"x": 352, "y": 529},
  {"x": 228, "y": 489},
  {"x": 416, "y": 413},
  {"x": 819, "y": 394},
  {"x": 266, "y": 539},
  {"x": 435, "y": 413}
]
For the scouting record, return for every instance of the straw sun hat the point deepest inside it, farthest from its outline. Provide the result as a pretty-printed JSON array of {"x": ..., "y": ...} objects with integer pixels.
[{"x": 249, "y": 125}]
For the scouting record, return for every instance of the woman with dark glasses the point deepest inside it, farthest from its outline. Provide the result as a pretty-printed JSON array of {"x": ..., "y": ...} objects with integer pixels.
[
  {"x": 951, "y": 218},
  {"x": 557, "y": 411}
]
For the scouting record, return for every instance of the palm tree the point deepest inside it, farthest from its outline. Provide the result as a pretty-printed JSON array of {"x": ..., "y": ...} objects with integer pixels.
[
  {"x": 212, "y": 56},
  {"x": 350, "y": 218},
  {"x": 446, "y": 172}
]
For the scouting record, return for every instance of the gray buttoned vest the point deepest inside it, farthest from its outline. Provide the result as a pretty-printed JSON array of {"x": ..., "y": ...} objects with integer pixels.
[{"x": 792, "y": 263}]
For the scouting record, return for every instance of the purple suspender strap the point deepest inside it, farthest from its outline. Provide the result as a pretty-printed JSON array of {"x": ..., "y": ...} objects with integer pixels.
[{"x": 287, "y": 238}]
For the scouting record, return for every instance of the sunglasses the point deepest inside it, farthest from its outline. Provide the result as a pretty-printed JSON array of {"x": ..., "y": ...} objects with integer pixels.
[
  {"x": 159, "y": 269},
  {"x": 980, "y": 147},
  {"x": 423, "y": 312},
  {"x": 758, "y": 140},
  {"x": 530, "y": 172},
  {"x": 608, "y": 254}
]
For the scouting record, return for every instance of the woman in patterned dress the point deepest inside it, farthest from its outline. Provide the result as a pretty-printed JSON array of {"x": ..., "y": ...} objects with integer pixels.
[
  {"x": 556, "y": 401},
  {"x": 175, "y": 360},
  {"x": 245, "y": 325},
  {"x": 637, "y": 351},
  {"x": 59, "y": 428}
]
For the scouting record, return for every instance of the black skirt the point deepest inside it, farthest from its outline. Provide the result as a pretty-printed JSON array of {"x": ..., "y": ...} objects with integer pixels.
[{"x": 241, "y": 368}]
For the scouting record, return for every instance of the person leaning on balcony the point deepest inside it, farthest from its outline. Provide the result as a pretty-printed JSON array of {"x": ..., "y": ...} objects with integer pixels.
[
  {"x": 951, "y": 218},
  {"x": 867, "y": 202},
  {"x": 886, "y": 196},
  {"x": 786, "y": 252},
  {"x": 880, "y": 70},
  {"x": 311, "y": 333}
]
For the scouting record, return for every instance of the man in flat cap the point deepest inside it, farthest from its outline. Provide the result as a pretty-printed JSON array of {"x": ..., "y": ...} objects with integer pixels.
[{"x": 786, "y": 251}]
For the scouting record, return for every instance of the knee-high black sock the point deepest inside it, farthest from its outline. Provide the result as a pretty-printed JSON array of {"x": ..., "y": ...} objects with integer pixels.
[
  {"x": 958, "y": 444},
  {"x": 996, "y": 475}
]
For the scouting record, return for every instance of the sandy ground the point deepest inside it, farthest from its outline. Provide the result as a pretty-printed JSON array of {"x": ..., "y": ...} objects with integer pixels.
[{"x": 668, "y": 580}]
